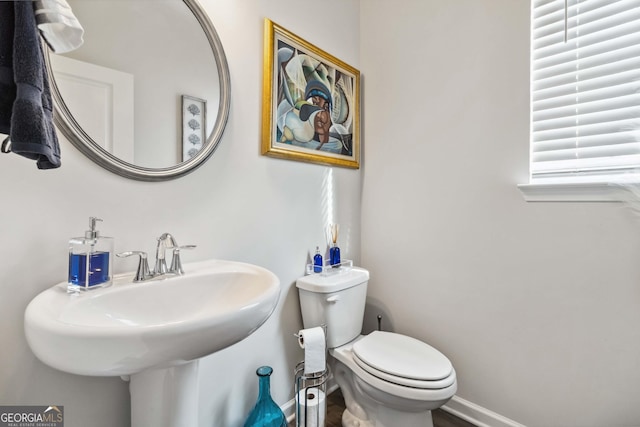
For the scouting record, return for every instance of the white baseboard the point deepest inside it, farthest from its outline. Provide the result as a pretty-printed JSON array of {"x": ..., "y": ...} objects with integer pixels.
[
  {"x": 461, "y": 408},
  {"x": 477, "y": 415}
]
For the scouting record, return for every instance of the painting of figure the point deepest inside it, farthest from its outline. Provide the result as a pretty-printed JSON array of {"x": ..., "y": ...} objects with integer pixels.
[{"x": 310, "y": 102}]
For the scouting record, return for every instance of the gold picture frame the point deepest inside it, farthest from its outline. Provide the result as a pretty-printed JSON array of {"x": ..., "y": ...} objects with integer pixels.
[{"x": 310, "y": 102}]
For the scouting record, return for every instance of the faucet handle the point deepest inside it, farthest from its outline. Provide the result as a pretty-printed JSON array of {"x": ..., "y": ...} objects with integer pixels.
[
  {"x": 143, "y": 272},
  {"x": 176, "y": 263}
]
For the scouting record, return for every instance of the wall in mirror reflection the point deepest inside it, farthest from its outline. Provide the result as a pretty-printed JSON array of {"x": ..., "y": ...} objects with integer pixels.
[{"x": 161, "y": 45}]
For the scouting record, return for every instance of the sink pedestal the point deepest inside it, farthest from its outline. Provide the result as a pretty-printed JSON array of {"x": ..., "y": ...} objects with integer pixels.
[{"x": 165, "y": 397}]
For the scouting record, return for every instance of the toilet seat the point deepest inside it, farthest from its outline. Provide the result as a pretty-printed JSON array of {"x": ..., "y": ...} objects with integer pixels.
[{"x": 403, "y": 360}]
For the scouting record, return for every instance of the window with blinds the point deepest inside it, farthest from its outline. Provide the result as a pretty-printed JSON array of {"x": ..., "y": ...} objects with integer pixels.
[{"x": 585, "y": 90}]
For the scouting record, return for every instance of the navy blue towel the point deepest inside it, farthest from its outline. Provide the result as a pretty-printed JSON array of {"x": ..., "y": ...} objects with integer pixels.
[
  {"x": 7, "y": 85},
  {"x": 32, "y": 131}
]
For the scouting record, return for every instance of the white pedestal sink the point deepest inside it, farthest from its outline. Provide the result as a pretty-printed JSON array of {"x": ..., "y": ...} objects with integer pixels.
[{"x": 153, "y": 332}]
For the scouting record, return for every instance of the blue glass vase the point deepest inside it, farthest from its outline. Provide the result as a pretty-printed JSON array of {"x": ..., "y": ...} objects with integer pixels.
[{"x": 266, "y": 413}]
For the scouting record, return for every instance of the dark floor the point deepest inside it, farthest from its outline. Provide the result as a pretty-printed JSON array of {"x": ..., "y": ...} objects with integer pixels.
[{"x": 335, "y": 406}]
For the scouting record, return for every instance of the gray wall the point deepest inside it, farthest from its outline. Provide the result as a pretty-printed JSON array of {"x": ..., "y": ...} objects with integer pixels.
[{"x": 536, "y": 304}]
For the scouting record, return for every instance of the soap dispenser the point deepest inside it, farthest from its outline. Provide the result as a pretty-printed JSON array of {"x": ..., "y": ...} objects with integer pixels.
[{"x": 90, "y": 259}]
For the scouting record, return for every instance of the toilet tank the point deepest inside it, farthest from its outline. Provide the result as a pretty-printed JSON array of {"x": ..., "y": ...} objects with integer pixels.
[{"x": 336, "y": 300}]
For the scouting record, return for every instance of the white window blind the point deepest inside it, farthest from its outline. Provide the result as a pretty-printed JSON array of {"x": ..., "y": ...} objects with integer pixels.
[{"x": 585, "y": 91}]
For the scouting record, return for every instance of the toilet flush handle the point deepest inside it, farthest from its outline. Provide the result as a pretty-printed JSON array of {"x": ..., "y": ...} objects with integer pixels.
[{"x": 333, "y": 299}]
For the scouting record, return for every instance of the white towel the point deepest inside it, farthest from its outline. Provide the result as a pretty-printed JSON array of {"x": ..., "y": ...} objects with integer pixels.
[{"x": 58, "y": 25}]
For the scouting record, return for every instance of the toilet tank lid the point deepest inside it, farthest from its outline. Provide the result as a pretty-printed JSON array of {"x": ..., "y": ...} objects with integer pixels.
[{"x": 333, "y": 282}]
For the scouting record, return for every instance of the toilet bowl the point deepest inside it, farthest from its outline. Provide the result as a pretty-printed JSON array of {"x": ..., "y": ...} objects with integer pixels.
[{"x": 387, "y": 379}]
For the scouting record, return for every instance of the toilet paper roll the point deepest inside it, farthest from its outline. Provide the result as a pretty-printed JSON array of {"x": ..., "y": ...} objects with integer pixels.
[
  {"x": 314, "y": 345},
  {"x": 311, "y": 407}
]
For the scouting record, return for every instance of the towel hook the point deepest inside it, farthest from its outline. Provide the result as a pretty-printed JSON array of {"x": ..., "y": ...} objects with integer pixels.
[{"x": 6, "y": 145}]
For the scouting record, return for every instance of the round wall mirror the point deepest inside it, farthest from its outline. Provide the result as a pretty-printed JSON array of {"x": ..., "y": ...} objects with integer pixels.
[{"x": 147, "y": 95}]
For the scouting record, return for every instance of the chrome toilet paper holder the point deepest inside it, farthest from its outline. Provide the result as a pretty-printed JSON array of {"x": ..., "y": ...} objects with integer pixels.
[{"x": 311, "y": 393}]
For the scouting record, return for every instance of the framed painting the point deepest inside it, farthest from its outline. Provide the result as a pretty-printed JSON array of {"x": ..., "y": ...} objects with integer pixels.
[
  {"x": 310, "y": 102},
  {"x": 194, "y": 113}
]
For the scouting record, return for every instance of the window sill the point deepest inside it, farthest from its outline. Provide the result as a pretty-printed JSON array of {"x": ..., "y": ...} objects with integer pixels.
[{"x": 575, "y": 192}]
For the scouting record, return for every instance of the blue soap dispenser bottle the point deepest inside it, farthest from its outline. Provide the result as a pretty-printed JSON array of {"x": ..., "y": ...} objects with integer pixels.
[{"x": 90, "y": 259}]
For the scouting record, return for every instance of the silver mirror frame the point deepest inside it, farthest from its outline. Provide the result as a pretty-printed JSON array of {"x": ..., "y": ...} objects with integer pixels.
[{"x": 66, "y": 123}]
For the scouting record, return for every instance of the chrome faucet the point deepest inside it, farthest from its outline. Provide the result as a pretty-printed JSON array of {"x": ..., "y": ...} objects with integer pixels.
[{"x": 165, "y": 241}]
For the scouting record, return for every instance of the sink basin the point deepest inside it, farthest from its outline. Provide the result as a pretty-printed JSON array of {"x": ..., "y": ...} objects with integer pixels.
[{"x": 130, "y": 327}]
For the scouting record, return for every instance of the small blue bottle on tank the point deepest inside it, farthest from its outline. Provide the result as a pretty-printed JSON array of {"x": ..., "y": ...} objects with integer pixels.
[
  {"x": 334, "y": 250},
  {"x": 90, "y": 259},
  {"x": 334, "y": 255},
  {"x": 317, "y": 261}
]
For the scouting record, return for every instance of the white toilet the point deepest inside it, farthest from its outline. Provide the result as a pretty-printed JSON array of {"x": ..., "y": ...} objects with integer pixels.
[{"x": 387, "y": 379}]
